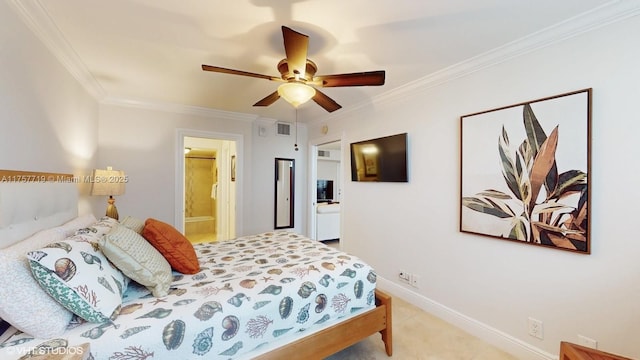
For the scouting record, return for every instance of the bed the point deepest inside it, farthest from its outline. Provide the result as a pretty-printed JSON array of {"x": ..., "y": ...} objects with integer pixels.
[{"x": 266, "y": 296}]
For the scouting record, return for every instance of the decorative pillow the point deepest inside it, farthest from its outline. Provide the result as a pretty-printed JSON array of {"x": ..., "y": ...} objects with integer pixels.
[
  {"x": 134, "y": 224},
  {"x": 172, "y": 245},
  {"x": 47, "y": 236},
  {"x": 44, "y": 317},
  {"x": 137, "y": 259},
  {"x": 23, "y": 303},
  {"x": 94, "y": 232},
  {"x": 80, "y": 222},
  {"x": 79, "y": 276}
]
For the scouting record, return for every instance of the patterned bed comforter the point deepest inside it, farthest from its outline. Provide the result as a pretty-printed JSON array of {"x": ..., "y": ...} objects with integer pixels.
[{"x": 250, "y": 292}]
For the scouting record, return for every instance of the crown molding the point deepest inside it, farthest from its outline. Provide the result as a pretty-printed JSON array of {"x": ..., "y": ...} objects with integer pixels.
[
  {"x": 606, "y": 14},
  {"x": 37, "y": 19},
  {"x": 178, "y": 109}
]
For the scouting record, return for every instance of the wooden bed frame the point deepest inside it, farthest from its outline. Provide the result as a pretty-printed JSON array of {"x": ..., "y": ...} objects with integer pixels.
[
  {"x": 342, "y": 335},
  {"x": 318, "y": 345}
]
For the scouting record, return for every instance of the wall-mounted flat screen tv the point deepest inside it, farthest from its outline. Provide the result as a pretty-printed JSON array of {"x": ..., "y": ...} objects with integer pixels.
[{"x": 383, "y": 159}]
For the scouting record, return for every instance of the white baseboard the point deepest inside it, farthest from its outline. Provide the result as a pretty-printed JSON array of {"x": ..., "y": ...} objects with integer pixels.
[{"x": 493, "y": 336}]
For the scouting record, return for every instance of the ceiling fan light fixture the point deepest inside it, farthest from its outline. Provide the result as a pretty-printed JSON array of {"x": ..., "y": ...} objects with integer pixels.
[
  {"x": 298, "y": 73},
  {"x": 296, "y": 93}
]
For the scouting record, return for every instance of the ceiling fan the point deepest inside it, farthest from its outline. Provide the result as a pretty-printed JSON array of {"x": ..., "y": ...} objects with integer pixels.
[{"x": 298, "y": 75}]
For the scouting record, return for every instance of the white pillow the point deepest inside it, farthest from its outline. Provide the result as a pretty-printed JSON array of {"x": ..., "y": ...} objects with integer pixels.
[
  {"x": 44, "y": 237},
  {"x": 134, "y": 224},
  {"x": 23, "y": 303},
  {"x": 137, "y": 259},
  {"x": 80, "y": 222},
  {"x": 94, "y": 232},
  {"x": 43, "y": 317}
]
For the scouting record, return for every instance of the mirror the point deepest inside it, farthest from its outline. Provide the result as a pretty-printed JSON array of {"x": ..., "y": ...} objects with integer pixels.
[{"x": 284, "y": 189}]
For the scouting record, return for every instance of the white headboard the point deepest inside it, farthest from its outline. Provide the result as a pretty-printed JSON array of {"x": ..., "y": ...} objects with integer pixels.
[{"x": 34, "y": 201}]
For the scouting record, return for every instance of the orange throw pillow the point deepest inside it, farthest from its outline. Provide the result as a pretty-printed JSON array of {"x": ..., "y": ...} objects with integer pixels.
[{"x": 176, "y": 248}]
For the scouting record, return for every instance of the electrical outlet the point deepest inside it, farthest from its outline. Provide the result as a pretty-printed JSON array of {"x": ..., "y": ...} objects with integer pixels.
[
  {"x": 414, "y": 280},
  {"x": 535, "y": 328},
  {"x": 588, "y": 342},
  {"x": 404, "y": 276}
]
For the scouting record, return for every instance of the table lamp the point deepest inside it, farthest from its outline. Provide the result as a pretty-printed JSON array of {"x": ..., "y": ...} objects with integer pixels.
[{"x": 108, "y": 182}]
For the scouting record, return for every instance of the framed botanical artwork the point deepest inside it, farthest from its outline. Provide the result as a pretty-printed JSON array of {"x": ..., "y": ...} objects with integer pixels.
[{"x": 525, "y": 172}]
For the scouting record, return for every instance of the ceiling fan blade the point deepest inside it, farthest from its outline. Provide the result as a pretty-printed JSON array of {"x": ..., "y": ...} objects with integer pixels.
[
  {"x": 370, "y": 78},
  {"x": 326, "y": 102},
  {"x": 270, "y": 99},
  {"x": 239, "y": 72},
  {"x": 295, "y": 46}
]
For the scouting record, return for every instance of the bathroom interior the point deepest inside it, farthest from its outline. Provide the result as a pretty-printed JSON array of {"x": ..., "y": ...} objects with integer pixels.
[
  {"x": 201, "y": 182},
  {"x": 210, "y": 189}
]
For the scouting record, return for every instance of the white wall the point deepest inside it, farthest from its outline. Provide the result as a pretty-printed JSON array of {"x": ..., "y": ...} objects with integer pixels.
[
  {"x": 141, "y": 140},
  {"x": 489, "y": 286},
  {"x": 48, "y": 121},
  {"x": 267, "y": 147}
]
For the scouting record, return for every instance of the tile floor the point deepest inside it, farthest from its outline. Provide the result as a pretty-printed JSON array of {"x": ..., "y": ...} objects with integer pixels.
[{"x": 200, "y": 238}]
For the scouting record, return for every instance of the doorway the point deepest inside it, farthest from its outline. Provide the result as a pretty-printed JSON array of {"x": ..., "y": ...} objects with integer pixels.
[
  {"x": 326, "y": 191},
  {"x": 206, "y": 185},
  {"x": 200, "y": 192}
]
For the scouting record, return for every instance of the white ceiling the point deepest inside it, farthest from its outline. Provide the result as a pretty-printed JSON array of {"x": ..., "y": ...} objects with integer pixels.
[{"x": 152, "y": 50}]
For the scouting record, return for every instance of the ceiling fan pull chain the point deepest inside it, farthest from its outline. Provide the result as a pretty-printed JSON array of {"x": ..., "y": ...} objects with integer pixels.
[{"x": 295, "y": 146}]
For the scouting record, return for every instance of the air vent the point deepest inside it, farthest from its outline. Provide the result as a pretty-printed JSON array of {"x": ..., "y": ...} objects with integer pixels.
[
  {"x": 283, "y": 129},
  {"x": 324, "y": 153}
]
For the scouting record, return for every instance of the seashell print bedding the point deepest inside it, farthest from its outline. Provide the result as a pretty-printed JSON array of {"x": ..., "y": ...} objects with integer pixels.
[{"x": 250, "y": 291}]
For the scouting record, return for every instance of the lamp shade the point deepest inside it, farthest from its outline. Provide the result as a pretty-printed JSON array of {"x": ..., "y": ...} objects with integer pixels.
[
  {"x": 296, "y": 93},
  {"x": 108, "y": 182}
]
